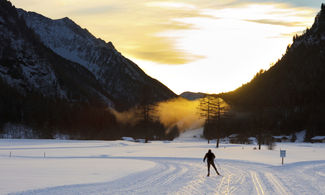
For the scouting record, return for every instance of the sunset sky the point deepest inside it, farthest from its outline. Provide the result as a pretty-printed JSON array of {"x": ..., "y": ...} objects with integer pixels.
[{"x": 191, "y": 45}]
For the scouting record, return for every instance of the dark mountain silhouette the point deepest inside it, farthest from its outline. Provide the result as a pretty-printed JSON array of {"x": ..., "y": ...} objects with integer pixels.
[
  {"x": 192, "y": 95},
  {"x": 53, "y": 91},
  {"x": 119, "y": 76},
  {"x": 290, "y": 96}
]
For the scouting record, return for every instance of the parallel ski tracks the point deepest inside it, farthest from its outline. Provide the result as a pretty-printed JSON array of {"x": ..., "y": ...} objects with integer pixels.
[
  {"x": 257, "y": 184},
  {"x": 189, "y": 177}
]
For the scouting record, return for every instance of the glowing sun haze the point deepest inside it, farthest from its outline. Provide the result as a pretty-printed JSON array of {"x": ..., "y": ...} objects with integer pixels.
[{"x": 190, "y": 45}]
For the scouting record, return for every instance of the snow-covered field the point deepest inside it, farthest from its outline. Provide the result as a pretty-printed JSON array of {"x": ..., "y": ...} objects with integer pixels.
[{"x": 124, "y": 167}]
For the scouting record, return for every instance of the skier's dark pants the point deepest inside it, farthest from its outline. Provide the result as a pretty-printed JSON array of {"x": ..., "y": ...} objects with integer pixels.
[{"x": 214, "y": 166}]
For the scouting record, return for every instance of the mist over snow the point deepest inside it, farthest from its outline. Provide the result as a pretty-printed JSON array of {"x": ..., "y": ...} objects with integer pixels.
[{"x": 178, "y": 112}]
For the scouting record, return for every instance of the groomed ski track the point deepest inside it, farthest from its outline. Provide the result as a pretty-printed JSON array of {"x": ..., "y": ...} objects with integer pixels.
[{"x": 188, "y": 176}]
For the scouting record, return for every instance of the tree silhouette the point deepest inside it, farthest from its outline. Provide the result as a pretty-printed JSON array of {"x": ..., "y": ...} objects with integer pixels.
[
  {"x": 146, "y": 112},
  {"x": 212, "y": 108}
]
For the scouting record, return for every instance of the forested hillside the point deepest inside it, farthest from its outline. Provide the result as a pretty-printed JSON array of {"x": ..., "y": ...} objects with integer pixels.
[{"x": 290, "y": 96}]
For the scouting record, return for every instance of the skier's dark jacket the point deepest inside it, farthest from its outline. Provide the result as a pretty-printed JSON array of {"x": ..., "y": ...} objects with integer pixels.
[{"x": 209, "y": 156}]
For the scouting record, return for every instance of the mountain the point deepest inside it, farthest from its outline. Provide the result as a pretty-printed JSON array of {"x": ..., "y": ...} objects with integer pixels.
[
  {"x": 29, "y": 66},
  {"x": 290, "y": 95},
  {"x": 119, "y": 76},
  {"x": 192, "y": 95},
  {"x": 40, "y": 88},
  {"x": 57, "y": 78}
]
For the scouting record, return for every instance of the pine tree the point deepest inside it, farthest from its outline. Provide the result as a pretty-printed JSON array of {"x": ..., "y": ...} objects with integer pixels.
[
  {"x": 146, "y": 112},
  {"x": 212, "y": 108}
]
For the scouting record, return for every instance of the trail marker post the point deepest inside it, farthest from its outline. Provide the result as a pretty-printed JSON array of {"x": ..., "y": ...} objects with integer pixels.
[{"x": 282, "y": 154}]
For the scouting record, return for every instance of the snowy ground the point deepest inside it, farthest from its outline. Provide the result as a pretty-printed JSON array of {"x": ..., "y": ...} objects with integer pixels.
[{"x": 123, "y": 167}]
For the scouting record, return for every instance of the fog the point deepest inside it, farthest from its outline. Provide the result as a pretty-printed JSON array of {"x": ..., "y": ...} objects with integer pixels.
[{"x": 179, "y": 111}]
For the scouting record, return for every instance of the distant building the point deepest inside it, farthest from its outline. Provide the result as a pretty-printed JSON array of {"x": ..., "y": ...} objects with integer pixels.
[
  {"x": 239, "y": 139},
  {"x": 318, "y": 139},
  {"x": 281, "y": 138},
  {"x": 233, "y": 136}
]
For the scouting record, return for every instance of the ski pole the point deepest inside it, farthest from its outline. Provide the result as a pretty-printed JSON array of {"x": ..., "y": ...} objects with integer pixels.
[{"x": 218, "y": 165}]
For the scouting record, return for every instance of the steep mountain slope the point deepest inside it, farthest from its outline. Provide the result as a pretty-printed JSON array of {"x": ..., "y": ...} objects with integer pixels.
[
  {"x": 120, "y": 77},
  {"x": 45, "y": 92},
  {"x": 61, "y": 81},
  {"x": 30, "y": 67},
  {"x": 292, "y": 92}
]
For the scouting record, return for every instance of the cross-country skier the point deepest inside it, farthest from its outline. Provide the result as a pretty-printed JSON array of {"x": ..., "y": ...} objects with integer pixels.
[{"x": 210, "y": 160}]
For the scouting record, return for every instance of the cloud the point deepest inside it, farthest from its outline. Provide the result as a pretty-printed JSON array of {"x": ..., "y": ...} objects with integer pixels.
[
  {"x": 294, "y": 3},
  {"x": 135, "y": 27},
  {"x": 145, "y": 29},
  {"x": 277, "y": 22},
  {"x": 98, "y": 10}
]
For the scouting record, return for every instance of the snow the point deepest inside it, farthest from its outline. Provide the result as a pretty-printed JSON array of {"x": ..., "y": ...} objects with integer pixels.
[
  {"x": 69, "y": 40},
  {"x": 191, "y": 135},
  {"x": 281, "y": 137},
  {"x": 128, "y": 139},
  {"x": 318, "y": 138},
  {"x": 159, "y": 167},
  {"x": 65, "y": 163}
]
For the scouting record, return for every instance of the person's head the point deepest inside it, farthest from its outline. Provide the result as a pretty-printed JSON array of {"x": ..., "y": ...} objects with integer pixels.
[{"x": 209, "y": 151}]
